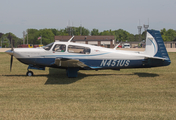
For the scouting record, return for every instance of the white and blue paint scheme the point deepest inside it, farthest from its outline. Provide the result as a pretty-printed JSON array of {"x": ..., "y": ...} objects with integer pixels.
[{"x": 74, "y": 57}]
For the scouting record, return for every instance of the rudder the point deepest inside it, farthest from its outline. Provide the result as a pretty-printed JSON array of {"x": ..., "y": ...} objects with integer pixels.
[
  {"x": 155, "y": 50},
  {"x": 155, "y": 46}
]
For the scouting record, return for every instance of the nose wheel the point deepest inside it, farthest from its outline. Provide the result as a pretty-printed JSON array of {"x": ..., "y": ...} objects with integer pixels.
[{"x": 29, "y": 73}]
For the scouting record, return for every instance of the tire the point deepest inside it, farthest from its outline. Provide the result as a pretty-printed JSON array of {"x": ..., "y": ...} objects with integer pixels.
[{"x": 29, "y": 73}]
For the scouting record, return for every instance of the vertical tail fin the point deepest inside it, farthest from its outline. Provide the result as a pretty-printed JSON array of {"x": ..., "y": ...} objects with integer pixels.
[
  {"x": 155, "y": 46},
  {"x": 156, "y": 50}
]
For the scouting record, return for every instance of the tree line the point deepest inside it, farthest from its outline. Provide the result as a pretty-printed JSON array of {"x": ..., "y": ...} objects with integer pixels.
[{"x": 47, "y": 35}]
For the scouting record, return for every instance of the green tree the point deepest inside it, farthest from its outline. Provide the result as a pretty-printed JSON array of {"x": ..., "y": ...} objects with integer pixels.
[
  {"x": 55, "y": 31},
  {"x": 6, "y": 42},
  {"x": 106, "y": 32},
  {"x": 63, "y": 32},
  {"x": 168, "y": 35},
  {"x": 171, "y": 34},
  {"x": 122, "y": 35},
  {"x": 163, "y": 34},
  {"x": 47, "y": 36},
  {"x": 33, "y": 34},
  {"x": 15, "y": 39},
  {"x": 85, "y": 31},
  {"x": 95, "y": 32}
]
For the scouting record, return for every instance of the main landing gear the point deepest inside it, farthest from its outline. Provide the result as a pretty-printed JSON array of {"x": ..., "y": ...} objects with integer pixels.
[{"x": 72, "y": 72}]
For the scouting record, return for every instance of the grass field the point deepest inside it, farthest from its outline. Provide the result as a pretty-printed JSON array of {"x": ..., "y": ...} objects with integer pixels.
[{"x": 145, "y": 94}]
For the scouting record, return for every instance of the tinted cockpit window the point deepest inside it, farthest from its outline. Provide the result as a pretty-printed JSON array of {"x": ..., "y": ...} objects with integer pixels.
[
  {"x": 48, "y": 47},
  {"x": 78, "y": 49}
]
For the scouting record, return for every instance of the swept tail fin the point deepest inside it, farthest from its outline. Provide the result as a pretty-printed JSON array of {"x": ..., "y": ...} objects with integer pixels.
[{"x": 155, "y": 48}]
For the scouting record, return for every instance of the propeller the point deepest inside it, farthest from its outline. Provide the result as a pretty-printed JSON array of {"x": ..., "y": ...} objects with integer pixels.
[{"x": 11, "y": 61}]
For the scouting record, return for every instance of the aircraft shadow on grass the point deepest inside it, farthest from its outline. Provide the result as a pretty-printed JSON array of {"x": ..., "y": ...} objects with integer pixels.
[
  {"x": 146, "y": 74},
  {"x": 58, "y": 76}
]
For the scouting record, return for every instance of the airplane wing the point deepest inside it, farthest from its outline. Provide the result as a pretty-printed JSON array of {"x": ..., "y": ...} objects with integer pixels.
[{"x": 65, "y": 62}]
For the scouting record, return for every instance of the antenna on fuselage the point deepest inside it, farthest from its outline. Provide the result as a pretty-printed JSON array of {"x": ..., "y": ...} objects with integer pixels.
[
  {"x": 116, "y": 46},
  {"x": 71, "y": 39}
]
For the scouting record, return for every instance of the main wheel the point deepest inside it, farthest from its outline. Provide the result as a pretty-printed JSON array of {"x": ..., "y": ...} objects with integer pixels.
[{"x": 29, "y": 73}]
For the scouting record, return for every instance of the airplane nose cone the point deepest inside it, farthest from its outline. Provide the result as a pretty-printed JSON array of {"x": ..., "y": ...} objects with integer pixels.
[{"x": 10, "y": 52}]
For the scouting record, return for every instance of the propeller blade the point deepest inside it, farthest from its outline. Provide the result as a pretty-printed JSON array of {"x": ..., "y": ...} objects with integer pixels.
[
  {"x": 12, "y": 48},
  {"x": 11, "y": 44},
  {"x": 11, "y": 62}
]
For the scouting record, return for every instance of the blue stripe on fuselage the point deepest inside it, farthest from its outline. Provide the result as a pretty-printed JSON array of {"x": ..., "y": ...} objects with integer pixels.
[
  {"x": 109, "y": 63},
  {"x": 38, "y": 61},
  {"x": 92, "y": 63}
]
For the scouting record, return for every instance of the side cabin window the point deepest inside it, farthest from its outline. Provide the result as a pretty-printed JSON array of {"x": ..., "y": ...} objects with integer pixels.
[
  {"x": 78, "y": 49},
  {"x": 59, "y": 48}
]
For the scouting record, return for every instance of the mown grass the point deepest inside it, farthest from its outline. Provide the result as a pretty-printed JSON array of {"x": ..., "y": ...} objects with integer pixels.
[{"x": 127, "y": 94}]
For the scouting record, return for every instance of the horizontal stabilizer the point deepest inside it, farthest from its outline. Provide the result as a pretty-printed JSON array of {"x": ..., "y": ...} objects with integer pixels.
[
  {"x": 157, "y": 58},
  {"x": 156, "y": 61}
]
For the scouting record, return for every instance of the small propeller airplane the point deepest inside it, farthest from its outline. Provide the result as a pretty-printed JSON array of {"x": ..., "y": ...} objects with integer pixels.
[{"x": 74, "y": 57}]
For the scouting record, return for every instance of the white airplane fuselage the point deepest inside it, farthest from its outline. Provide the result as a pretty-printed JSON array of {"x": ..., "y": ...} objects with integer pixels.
[
  {"x": 84, "y": 56},
  {"x": 97, "y": 58}
]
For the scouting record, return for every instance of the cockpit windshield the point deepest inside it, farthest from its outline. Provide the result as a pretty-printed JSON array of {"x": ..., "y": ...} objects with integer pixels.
[{"x": 48, "y": 47}]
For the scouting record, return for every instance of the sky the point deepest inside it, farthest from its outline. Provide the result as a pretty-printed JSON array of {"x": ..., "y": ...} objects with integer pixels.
[{"x": 17, "y": 16}]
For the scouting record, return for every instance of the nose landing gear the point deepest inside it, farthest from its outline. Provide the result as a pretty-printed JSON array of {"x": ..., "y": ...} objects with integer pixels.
[{"x": 29, "y": 73}]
